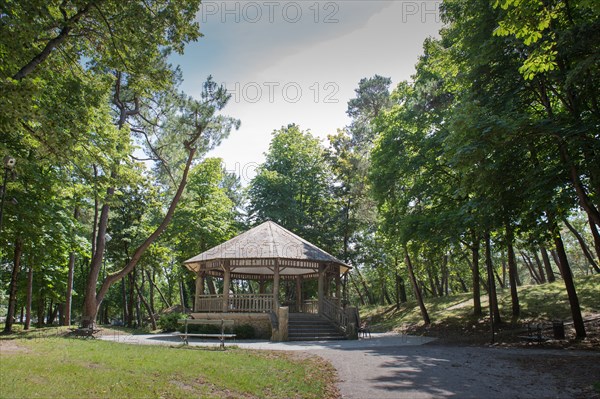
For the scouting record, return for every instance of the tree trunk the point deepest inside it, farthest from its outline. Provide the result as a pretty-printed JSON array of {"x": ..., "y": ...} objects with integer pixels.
[
  {"x": 92, "y": 299},
  {"x": 162, "y": 297},
  {"x": 357, "y": 289},
  {"x": 210, "y": 282},
  {"x": 596, "y": 235},
  {"x": 565, "y": 270},
  {"x": 41, "y": 304},
  {"x": 493, "y": 299},
  {"x": 500, "y": 282},
  {"x": 151, "y": 292},
  {"x": 130, "y": 298},
  {"x": 534, "y": 277},
  {"x": 400, "y": 290},
  {"x": 29, "y": 298},
  {"x": 124, "y": 300},
  {"x": 557, "y": 261},
  {"x": 53, "y": 43},
  {"x": 547, "y": 265},
  {"x": 148, "y": 307},
  {"x": 386, "y": 295},
  {"x": 14, "y": 279},
  {"x": 417, "y": 291},
  {"x": 580, "y": 190},
  {"x": 69, "y": 294},
  {"x": 367, "y": 291},
  {"x": 463, "y": 285},
  {"x": 182, "y": 296},
  {"x": 66, "y": 319},
  {"x": 476, "y": 277},
  {"x": 52, "y": 312},
  {"x": 540, "y": 267},
  {"x": 583, "y": 245},
  {"x": 512, "y": 272}
]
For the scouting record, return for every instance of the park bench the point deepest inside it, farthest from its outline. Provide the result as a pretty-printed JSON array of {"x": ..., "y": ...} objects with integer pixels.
[
  {"x": 534, "y": 334},
  {"x": 222, "y": 335},
  {"x": 85, "y": 332}
]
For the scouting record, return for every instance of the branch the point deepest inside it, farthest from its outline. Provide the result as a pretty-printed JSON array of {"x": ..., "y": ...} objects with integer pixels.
[
  {"x": 53, "y": 43},
  {"x": 112, "y": 35},
  {"x": 112, "y": 278},
  {"x": 156, "y": 154}
]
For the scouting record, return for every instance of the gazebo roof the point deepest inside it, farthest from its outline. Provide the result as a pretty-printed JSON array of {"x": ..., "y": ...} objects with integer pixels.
[{"x": 258, "y": 250}]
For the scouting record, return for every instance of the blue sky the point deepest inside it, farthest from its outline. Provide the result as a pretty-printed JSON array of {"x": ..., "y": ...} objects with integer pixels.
[{"x": 299, "y": 62}]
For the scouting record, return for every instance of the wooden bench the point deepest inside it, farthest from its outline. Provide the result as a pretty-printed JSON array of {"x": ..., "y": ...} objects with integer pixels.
[
  {"x": 87, "y": 332},
  {"x": 222, "y": 336},
  {"x": 534, "y": 334}
]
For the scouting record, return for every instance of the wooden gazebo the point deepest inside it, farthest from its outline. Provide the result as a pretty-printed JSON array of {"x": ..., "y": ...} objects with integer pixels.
[{"x": 271, "y": 254}]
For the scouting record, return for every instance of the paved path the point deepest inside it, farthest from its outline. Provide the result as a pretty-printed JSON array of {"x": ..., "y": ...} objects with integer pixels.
[{"x": 399, "y": 366}]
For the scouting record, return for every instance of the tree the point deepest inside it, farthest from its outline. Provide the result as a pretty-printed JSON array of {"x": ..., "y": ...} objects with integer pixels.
[
  {"x": 293, "y": 187},
  {"x": 199, "y": 128}
]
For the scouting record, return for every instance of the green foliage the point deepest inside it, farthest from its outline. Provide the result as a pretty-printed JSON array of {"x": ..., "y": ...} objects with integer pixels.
[
  {"x": 169, "y": 322},
  {"x": 293, "y": 187},
  {"x": 244, "y": 331},
  {"x": 201, "y": 329}
]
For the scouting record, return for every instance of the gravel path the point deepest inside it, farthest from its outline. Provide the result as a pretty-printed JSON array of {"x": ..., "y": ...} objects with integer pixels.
[
  {"x": 464, "y": 372},
  {"x": 400, "y": 366}
]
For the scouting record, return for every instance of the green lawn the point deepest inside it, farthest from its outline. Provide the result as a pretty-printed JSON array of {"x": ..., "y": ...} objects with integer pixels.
[{"x": 73, "y": 368}]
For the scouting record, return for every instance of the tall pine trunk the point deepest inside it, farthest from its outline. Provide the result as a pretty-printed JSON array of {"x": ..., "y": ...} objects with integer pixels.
[
  {"x": 596, "y": 234},
  {"x": 29, "y": 298},
  {"x": 547, "y": 264},
  {"x": 567, "y": 276},
  {"x": 583, "y": 245},
  {"x": 512, "y": 272},
  {"x": 417, "y": 291},
  {"x": 493, "y": 299},
  {"x": 476, "y": 277},
  {"x": 14, "y": 280},
  {"x": 69, "y": 294}
]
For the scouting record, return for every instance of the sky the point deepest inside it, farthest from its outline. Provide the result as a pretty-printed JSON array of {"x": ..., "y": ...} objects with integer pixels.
[{"x": 299, "y": 62}]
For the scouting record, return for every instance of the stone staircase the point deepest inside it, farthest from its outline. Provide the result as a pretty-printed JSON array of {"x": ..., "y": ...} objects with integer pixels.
[{"x": 311, "y": 327}]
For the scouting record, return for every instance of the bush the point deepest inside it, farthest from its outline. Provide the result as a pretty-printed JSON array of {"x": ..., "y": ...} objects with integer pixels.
[
  {"x": 201, "y": 328},
  {"x": 168, "y": 322},
  {"x": 245, "y": 331}
]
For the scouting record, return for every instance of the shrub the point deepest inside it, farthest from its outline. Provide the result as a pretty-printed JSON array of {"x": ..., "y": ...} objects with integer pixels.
[
  {"x": 168, "y": 322},
  {"x": 201, "y": 328},
  {"x": 244, "y": 331}
]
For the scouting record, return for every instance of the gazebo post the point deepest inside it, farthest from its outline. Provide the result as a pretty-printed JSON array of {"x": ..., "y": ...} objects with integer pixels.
[
  {"x": 276, "y": 287},
  {"x": 226, "y": 284},
  {"x": 299, "y": 293},
  {"x": 338, "y": 284},
  {"x": 199, "y": 289},
  {"x": 321, "y": 287}
]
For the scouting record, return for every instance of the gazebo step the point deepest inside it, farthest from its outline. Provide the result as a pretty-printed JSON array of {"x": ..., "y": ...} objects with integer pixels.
[
  {"x": 319, "y": 338},
  {"x": 311, "y": 327}
]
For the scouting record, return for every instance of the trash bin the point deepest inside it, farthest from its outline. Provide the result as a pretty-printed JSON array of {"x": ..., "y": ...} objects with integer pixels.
[{"x": 559, "y": 329}]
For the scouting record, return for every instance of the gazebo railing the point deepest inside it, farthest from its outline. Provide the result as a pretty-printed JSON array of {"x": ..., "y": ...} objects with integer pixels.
[
  {"x": 334, "y": 312},
  {"x": 209, "y": 303},
  {"x": 310, "y": 306},
  {"x": 249, "y": 303}
]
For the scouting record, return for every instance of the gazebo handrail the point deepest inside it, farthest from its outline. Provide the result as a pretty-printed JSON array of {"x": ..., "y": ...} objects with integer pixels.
[
  {"x": 245, "y": 295},
  {"x": 334, "y": 312}
]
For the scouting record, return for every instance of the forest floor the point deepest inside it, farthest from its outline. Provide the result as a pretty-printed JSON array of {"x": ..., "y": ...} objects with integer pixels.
[{"x": 452, "y": 322}]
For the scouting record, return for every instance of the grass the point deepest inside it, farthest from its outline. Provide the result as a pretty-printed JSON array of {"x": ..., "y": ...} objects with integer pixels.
[
  {"x": 543, "y": 303},
  {"x": 58, "y": 367}
]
